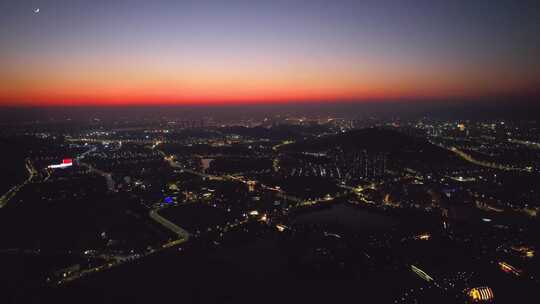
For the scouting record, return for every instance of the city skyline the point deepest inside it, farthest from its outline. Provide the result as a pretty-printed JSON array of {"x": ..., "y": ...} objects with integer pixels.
[{"x": 277, "y": 151}]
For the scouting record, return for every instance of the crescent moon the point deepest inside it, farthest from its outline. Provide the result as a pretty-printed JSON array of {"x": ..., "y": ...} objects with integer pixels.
[{"x": 36, "y": 10}]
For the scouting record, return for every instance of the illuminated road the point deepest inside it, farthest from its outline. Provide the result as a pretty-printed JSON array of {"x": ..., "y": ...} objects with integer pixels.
[
  {"x": 83, "y": 155},
  {"x": 279, "y": 193},
  {"x": 183, "y": 235},
  {"x": 97, "y": 140},
  {"x": 15, "y": 189},
  {"x": 287, "y": 142},
  {"x": 527, "y": 143},
  {"x": 470, "y": 159},
  {"x": 107, "y": 176}
]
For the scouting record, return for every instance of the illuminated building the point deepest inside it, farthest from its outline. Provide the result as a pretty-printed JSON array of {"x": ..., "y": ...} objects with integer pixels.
[
  {"x": 251, "y": 185},
  {"x": 281, "y": 227},
  {"x": 480, "y": 294},
  {"x": 66, "y": 162},
  {"x": 524, "y": 251},
  {"x": 423, "y": 237},
  {"x": 509, "y": 268}
]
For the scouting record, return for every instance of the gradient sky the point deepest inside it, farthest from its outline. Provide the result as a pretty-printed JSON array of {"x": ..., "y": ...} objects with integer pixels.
[{"x": 168, "y": 52}]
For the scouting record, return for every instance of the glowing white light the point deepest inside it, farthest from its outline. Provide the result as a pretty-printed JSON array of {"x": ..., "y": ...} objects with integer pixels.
[{"x": 67, "y": 162}]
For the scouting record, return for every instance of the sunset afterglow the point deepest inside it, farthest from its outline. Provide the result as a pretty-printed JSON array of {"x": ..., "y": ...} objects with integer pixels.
[{"x": 183, "y": 52}]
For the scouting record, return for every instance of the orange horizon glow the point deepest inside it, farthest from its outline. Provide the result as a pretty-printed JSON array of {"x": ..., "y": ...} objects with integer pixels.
[
  {"x": 162, "y": 53},
  {"x": 141, "y": 99},
  {"x": 146, "y": 78},
  {"x": 139, "y": 81},
  {"x": 249, "y": 88}
]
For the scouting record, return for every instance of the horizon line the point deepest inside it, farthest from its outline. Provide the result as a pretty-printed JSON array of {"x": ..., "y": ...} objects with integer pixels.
[{"x": 504, "y": 98}]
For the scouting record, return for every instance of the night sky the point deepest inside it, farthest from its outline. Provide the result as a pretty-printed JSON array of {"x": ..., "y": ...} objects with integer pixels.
[{"x": 197, "y": 52}]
